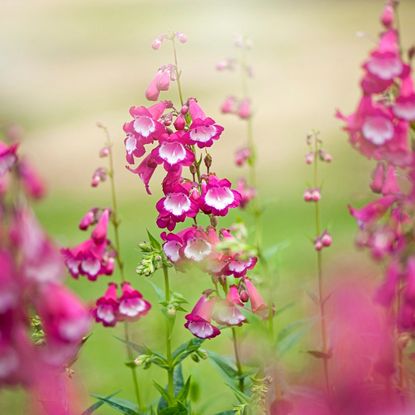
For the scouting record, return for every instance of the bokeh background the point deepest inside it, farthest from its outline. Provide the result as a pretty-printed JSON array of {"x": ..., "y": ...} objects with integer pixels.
[{"x": 66, "y": 64}]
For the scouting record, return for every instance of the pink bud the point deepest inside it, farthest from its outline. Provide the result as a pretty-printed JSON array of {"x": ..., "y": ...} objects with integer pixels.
[
  {"x": 244, "y": 296},
  {"x": 180, "y": 123},
  {"x": 228, "y": 106},
  {"x": 244, "y": 109},
  {"x": 184, "y": 109},
  {"x": 326, "y": 239},
  {"x": 316, "y": 195},
  {"x": 318, "y": 245},
  {"x": 152, "y": 92},
  {"x": 156, "y": 43},
  {"x": 387, "y": 16},
  {"x": 308, "y": 197},
  {"x": 87, "y": 220},
  {"x": 104, "y": 152},
  {"x": 377, "y": 178},
  {"x": 100, "y": 175},
  {"x": 182, "y": 38},
  {"x": 309, "y": 158},
  {"x": 390, "y": 185}
]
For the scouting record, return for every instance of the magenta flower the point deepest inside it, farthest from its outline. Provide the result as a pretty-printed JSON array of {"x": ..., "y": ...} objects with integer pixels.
[
  {"x": 31, "y": 181},
  {"x": 99, "y": 234},
  {"x": 404, "y": 107},
  {"x": 378, "y": 177},
  {"x": 372, "y": 211},
  {"x": 176, "y": 206},
  {"x": 145, "y": 170},
  {"x": 107, "y": 307},
  {"x": 99, "y": 176},
  {"x": 203, "y": 130},
  {"x": 8, "y": 157},
  {"x": 238, "y": 267},
  {"x": 242, "y": 155},
  {"x": 198, "y": 322},
  {"x": 227, "y": 312},
  {"x": 173, "y": 152},
  {"x": 386, "y": 292},
  {"x": 89, "y": 219},
  {"x": 160, "y": 82},
  {"x": 257, "y": 302},
  {"x": 376, "y": 134},
  {"x": 247, "y": 193},
  {"x": 64, "y": 318},
  {"x": 217, "y": 196},
  {"x": 131, "y": 305}
]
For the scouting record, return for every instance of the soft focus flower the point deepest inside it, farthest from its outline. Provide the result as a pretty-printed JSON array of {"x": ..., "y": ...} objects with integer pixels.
[
  {"x": 227, "y": 311},
  {"x": 242, "y": 155},
  {"x": 247, "y": 193},
  {"x": 258, "y": 304},
  {"x": 32, "y": 183},
  {"x": 244, "y": 109},
  {"x": 198, "y": 322},
  {"x": 229, "y": 105},
  {"x": 132, "y": 305},
  {"x": 99, "y": 176},
  {"x": 106, "y": 307},
  {"x": 8, "y": 157}
]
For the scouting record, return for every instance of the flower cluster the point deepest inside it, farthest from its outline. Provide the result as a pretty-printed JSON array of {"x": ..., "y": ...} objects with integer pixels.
[
  {"x": 381, "y": 129},
  {"x": 31, "y": 288},
  {"x": 177, "y": 135},
  {"x": 97, "y": 256}
]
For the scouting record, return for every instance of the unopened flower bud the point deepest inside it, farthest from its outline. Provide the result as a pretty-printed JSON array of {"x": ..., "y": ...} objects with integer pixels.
[
  {"x": 315, "y": 195},
  {"x": 243, "y": 295},
  {"x": 213, "y": 221},
  {"x": 145, "y": 246},
  {"x": 202, "y": 354},
  {"x": 156, "y": 43},
  {"x": 184, "y": 109},
  {"x": 309, "y": 158},
  {"x": 179, "y": 123},
  {"x": 171, "y": 310},
  {"x": 208, "y": 160},
  {"x": 411, "y": 52},
  {"x": 326, "y": 239},
  {"x": 182, "y": 38},
  {"x": 324, "y": 156},
  {"x": 104, "y": 152},
  {"x": 100, "y": 175},
  {"x": 308, "y": 196},
  {"x": 195, "y": 357},
  {"x": 140, "y": 359},
  {"x": 318, "y": 245},
  {"x": 192, "y": 169},
  {"x": 387, "y": 16}
]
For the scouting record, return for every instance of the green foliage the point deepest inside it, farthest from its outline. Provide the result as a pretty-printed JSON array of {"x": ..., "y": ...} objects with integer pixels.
[
  {"x": 97, "y": 405},
  {"x": 186, "y": 349},
  {"x": 122, "y": 406}
]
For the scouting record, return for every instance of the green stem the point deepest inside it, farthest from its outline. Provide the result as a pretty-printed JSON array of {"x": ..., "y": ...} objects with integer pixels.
[
  {"x": 178, "y": 72},
  {"x": 169, "y": 329},
  {"x": 323, "y": 326},
  {"x": 116, "y": 223},
  {"x": 238, "y": 360}
]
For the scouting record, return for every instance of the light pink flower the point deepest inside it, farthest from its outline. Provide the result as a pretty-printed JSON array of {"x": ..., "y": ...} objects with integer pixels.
[
  {"x": 404, "y": 107},
  {"x": 258, "y": 304},
  {"x": 228, "y": 312},
  {"x": 242, "y": 155},
  {"x": 198, "y": 322},
  {"x": 247, "y": 192},
  {"x": 107, "y": 307},
  {"x": 229, "y": 106},
  {"x": 99, "y": 176},
  {"x": 32, "y": 182},
  {"x": 132, "y": 305},
  {"x": 244, "y": 109}
]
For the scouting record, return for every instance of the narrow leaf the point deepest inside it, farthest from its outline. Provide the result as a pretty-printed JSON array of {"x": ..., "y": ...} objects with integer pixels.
[
  {"x": 97, "y": 405},
  {"x": 186, "y": 349},
  {"x": 153, "y": 241},
  {"x": 121, "y": 405},
  {"x": 224, "y": 365},
  {"x": 319, "y": 354}
]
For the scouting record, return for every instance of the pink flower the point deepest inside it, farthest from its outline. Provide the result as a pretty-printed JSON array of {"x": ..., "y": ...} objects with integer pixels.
[
  {"x": 99, "y": 176},
  {"x": 100, "y": 232},
  {"x": 203, "y": 130},
  {"x": 8, "y": 287},
  {"x": 390, "y": 185},
  {"x": 227, "y": 312},
  {"x": 247, "y": 193},
  {"x": 181, "y": 37},
  {"x": 64, "y": 317},
  {"x": 143, "y": 129},
  {"x": 89, "y": 259},
  {"x": 404, "y": 107},
  {"x": 173, "y": 152},
  {"x": 32, "y": 183},
  {"x": 407, "y": 314},
  {"x": 257, "y": 302},
  {"x": 229, "y": 105},
  {"x": 198, "y": 322},
  {"x": 146, "y": 169},
  {"x": 176, "y": 206},
  {"x": 90, "y": 218},
  {"x": 376, "y": 134},
  {"x": 372, "y": 211},
  {"x": 387, "y": 291},
  {"x": 8, "y": 157},
  {"x": 238, "y": 267},
  {"x": 218, "y": 197},
  {"x": 387, "y": 16},
  {"x": 244, "y": 109},
  {"x": 131, "y": 305},
  {"x": 107, "y": 307},
  {"x": 242, "y": 155},
  {"x": 160, "y": 82}
]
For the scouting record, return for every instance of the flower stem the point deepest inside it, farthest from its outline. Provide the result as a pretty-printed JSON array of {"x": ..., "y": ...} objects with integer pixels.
[
  {"x": 116, "y": 223},
  {"x": 238, "y": 360},
  {"x": 323, "y": 326},
  {"x": 169, "y": 329},
  {"x": 178, "y": 72}
]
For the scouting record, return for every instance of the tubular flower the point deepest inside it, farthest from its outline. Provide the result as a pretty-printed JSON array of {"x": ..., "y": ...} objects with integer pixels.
[
  {"x": 257, "y": 302},
  {"x": 227, "y": 312},
  {"x": 132, "y": 305},
  {"x": 32, "y": 183},
  {"x": 107, "y": 307},
  {"x": 247, "y": 192},
  {"x": 198, "y": 322}
]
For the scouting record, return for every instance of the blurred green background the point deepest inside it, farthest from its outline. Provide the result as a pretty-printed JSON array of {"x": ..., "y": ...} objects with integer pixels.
[{"x": 67, "y": 64}]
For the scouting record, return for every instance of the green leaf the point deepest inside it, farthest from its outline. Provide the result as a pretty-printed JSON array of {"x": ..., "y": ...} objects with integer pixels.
[
  {"x": 290, "y": 336},
  {"x": 184, "y": 391},
  {"x": 224, "y": 364},
  {"x": 97, "y": 404},
  {"x": 284, "y": 308},
  {"x": 121, "y": 405},
  {"x": 154, "y": 242},
  {"x": 178, "y": 409},
  {"x": 165, "y": 399},
  {"x": 226, "y": 413},
  {"x": 158, "y": 290},
  {"x": 139, "y": 348},
  {"x": 185, "y": 350}
]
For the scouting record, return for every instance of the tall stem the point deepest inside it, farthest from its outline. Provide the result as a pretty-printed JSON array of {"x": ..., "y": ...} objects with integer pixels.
[
  {"x": 169, "y": 329},
  {"x": 178, "y": 72},
  {"x": 238, "y": 360},
  {"x": 116, "y": 223},
  {"x": 321, "y": 298}
]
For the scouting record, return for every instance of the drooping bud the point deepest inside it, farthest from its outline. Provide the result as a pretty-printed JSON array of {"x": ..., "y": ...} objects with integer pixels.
[
  {"x": 326, "y": 239},
  {"x": 377, "y": 178},
  {"x": 208, "y": 161},
  {"x": 100, "y": 175},
  {"x": 179, "y": 123},
  {"x": 181, "y": 37},
  {"x": 309, "y": 158},
  {"x": 104, "y": 152},
  {"x": 387, "y": 16}
]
